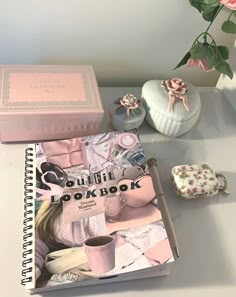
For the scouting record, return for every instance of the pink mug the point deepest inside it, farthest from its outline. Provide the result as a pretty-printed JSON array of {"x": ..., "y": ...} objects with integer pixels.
[
  {"x": 100, "y": 251},
  {"x": 113, "y": 206}
]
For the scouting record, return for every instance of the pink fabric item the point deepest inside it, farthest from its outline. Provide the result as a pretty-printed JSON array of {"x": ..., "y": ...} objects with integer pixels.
[
  {"x": 202, "y": 64},
  {"x": 133, "y": 217},
  {"x": 231, "y": 4},
  {"x": 161, "y": 252},
  {"x": 64, "y": 153}
]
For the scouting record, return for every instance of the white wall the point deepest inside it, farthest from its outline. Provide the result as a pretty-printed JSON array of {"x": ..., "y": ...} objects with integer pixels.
[
  {"x": 127, "y": 41},
  {"x": 227, "y": 85}
]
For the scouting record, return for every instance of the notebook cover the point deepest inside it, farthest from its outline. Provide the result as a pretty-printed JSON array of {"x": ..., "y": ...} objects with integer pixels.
[{"x": 87, "y": 190}]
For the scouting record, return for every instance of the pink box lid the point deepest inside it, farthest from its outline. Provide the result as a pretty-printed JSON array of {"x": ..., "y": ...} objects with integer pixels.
[{"x": 47, "y": 89}]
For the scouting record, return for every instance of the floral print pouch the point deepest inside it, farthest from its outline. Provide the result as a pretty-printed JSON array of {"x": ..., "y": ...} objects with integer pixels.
[{"x": 195, "y": 181}]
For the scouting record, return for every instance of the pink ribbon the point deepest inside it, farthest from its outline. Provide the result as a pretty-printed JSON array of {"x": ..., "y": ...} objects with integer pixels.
[
  {"x": 176, "y": 88},
  {"x": 130, "y": 102},
  {"x": 172, "y": 96},
  {"x": 54, "y": 189}
]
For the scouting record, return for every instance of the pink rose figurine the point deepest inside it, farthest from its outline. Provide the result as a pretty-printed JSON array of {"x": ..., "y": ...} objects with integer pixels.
[
  {"x": 231, "y": 4},
  {"x": 176, "y": 89},
  {"x": 129, "y": 114}
]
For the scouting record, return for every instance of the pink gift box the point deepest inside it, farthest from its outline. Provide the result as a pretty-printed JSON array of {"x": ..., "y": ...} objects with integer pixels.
[{"x": 48, "y": 102}]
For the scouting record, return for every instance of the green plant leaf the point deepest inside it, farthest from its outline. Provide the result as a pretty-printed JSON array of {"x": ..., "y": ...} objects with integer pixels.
[
  {"x": 211, "y": 56},
  {"x": 206, "y": 2},
  {"x": 135, "y": 112},
  {"x": 202, "y": 5},
  {"x": 184, "y": 60},
  {"x": 198, "y": 51},
  {"x": 196, "y": 4},
  {"x": 210, "y": 12},
  {"x": 224, "y": 51},
  {"x": 117, "y": 101},
  {"x": 121, "y": 110},
  {"x": 229, "y": 27},
  {"x": 224, "y": 67}
]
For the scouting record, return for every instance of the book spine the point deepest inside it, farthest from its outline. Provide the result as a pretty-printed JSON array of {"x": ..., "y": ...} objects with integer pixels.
[{"x": 28, "y": 221}]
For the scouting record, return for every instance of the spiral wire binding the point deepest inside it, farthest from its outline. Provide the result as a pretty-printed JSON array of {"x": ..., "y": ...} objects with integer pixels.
[{"x": 28, "y": 218}]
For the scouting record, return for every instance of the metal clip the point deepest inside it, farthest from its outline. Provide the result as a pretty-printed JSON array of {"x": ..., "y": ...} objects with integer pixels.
[{"x": 223, "y": 187}]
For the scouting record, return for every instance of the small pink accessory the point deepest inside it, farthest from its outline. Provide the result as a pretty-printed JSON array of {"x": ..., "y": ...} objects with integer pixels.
[
  {"x": 127, "y": 140},
  {"x": 197, "y": 181},
  {"x": 130, "y": 102},
  {"x": 176, "y": 88}
]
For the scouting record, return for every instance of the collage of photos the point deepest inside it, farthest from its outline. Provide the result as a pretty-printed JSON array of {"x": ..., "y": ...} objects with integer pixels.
[{"x": 95, "y": 210}]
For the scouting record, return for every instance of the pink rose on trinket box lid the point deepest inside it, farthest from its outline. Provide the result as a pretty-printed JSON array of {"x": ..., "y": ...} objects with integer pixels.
[{"x": 176, "y": 88}]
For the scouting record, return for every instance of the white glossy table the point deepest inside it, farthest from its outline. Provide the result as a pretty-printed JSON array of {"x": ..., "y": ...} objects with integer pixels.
[{"x": 205, "y": 228}]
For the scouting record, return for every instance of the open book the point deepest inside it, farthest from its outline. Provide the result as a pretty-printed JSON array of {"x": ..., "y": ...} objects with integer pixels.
[{"x": 91, "y": 214}]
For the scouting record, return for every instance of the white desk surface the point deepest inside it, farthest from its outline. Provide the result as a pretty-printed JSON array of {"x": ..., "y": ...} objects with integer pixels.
[{"x": 205, "y": 228}]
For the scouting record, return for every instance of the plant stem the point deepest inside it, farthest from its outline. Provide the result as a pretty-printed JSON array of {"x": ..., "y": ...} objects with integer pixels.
[
  {"x": 214, "y": 18},
  {"x": 233, "y": 12},
  {"x": 205, "y": 34}
]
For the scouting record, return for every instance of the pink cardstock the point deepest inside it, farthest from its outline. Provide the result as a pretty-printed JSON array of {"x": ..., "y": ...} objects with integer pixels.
[{"x": 76, "y": 210}]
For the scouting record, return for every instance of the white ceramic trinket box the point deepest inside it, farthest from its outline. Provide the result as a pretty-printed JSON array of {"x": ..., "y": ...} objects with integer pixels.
[{"x": 159, "y": 115}]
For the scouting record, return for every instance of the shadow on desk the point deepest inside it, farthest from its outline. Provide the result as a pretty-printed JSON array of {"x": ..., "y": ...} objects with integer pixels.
[{"x": 217, "y": 118}]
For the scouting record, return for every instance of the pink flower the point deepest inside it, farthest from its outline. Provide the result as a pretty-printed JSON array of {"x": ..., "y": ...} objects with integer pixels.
[
  {"x": 176, "y": 88},
  {"x": 202, "y": 64},
  {"x": 231, "y": 4},
  {"x": 130, "y": 101},
  {"x": 191, "y": 182},
  {"x": 175, "y": 85},
  {"x": 194, "y": 189}
]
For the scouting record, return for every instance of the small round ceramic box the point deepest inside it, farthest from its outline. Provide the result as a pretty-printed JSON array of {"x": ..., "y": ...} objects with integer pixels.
[
  {"x": 129, "y": 114},
  {"x": 170, "y": 122}
]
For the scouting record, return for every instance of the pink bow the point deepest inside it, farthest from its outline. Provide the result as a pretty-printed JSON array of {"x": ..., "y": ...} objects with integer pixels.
[
  {"x": 173, "y": 96},
  {"x": 176, "y": 88}
]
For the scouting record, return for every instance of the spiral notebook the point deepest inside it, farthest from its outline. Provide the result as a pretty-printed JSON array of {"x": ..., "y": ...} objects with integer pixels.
[{"x": 91, "y": 214}]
